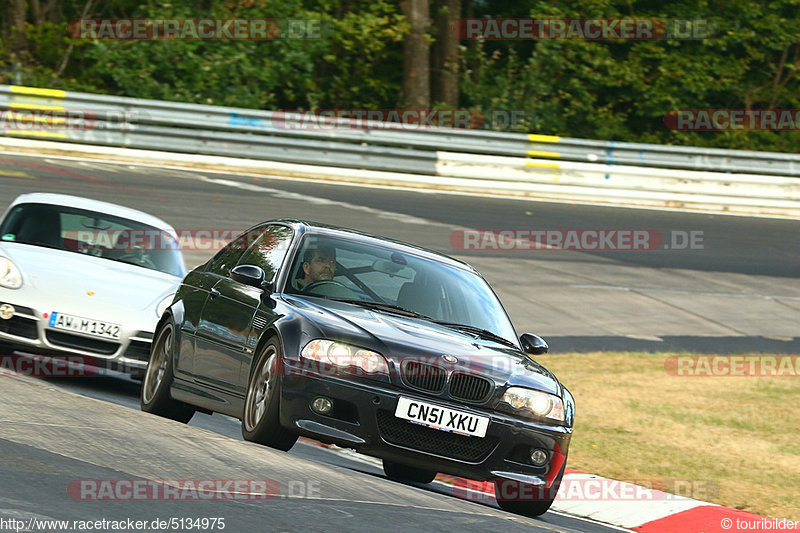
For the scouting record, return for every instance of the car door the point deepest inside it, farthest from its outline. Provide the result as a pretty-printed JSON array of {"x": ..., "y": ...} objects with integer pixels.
[
  {"x": 227, "y": 317},
  {"x": 193, "y": 293},
  {"x": 211, "y": 363}
]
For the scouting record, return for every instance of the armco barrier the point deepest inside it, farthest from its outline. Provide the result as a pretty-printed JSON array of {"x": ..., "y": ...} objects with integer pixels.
[{"x": 527, "y": 165}]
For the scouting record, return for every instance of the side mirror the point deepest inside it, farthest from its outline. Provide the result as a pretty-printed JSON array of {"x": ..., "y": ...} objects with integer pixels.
[
  {"x": 248, "y": 275},
  {"x": 533, "y": 344}
]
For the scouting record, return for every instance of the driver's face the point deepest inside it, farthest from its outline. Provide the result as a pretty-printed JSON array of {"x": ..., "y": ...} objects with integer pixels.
[{"x": 321, "y": 268}]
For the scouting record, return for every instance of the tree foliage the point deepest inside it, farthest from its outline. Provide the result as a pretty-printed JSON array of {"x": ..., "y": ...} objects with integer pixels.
[{"x": 619, "y": 90}]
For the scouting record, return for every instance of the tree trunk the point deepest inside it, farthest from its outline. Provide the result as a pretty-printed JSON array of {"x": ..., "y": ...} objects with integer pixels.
[
  {"x": 445, "y": 57},
  {"x": 16, "y": 11},
  {"x": 47, "y": 11},
  {"x": 474, "y": 63},
  {"x": 416, "y": 56}
]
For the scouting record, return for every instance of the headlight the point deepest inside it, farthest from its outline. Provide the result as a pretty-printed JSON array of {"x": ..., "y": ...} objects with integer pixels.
[
  {"x": 10, "y": 278},
  {"x": 345, "y": 355},
  {"x": 163, "y": 305},
  {"x": 538, "y": 404}
]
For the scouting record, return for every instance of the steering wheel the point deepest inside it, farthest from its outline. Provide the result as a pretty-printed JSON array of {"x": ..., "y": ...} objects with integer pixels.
[
  {"x": 137, "y": 259},
  {"x": 323, "y": 283},
  {"x": 90, "y": 249}
]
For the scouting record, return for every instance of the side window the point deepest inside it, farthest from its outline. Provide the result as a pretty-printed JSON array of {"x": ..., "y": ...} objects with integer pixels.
[
  {"x": 228, "y": 257},
  {"x": 269, "y": 250}
]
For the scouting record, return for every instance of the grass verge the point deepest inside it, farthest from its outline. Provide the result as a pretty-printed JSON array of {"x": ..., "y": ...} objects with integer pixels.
[{"x": 728, "y": 440}]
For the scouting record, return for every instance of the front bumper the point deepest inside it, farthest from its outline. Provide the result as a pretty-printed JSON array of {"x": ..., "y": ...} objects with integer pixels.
[
  {"x": 363, "y": 419},
  {"x": 27, "y": 330}
]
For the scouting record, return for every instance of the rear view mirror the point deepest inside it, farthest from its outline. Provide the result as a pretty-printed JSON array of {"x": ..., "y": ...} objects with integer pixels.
[
  {"x": 392, "y": 269},
  {"x": 533, "y": 344}
]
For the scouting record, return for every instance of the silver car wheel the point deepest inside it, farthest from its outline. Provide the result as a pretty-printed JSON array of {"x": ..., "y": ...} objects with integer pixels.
[
  {"x": 157, "y": 366},
  {"x": 260, "y": 390}
]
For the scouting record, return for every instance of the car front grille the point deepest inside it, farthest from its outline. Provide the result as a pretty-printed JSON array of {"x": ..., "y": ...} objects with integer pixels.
[
  {"x": 469, "y": 388},
  {"x": 19, "y": 326},
  {"x": 18, "y": 309},
  {"x": 432, "y": 378},
  {"x": 76, "y": 342},
  {"x": 424, "y": 376},
  {"x": 433, "y": 441},
  {"x": 138, "y": 350}
]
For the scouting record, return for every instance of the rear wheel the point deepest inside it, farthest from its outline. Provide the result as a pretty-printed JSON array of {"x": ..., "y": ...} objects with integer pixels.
[
  {"x": 261, "y": 419},
  {"x": 158, "y": 376},
  {"x": 401, "y": 472}
]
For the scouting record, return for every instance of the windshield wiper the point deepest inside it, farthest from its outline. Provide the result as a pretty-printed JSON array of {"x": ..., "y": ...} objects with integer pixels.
[
  {"x": 480, "y": 332},
  {"x": 381, "y": 306}
]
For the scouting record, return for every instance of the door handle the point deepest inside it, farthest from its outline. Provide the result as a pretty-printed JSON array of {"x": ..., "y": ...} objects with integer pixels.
[{"x": 214, "y": 293}]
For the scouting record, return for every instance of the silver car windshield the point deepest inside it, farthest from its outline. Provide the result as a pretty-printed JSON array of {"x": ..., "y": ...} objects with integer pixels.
[
  {"x": 93, "y": 233},
  {"x": 347, "y": 270}
]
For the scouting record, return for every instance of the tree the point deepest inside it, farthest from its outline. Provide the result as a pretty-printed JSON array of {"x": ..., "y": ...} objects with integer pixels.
[
  {"x": 416, "y": 55},
  {"x": 445, "y": 55},
  {"x": 14, "y": 27}
]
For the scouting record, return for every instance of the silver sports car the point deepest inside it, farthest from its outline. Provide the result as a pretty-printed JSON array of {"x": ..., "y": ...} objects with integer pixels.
[{"x": 80, "y": 276}]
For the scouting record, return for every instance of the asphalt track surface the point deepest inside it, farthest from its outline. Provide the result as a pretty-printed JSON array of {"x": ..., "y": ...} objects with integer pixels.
[
  {"x": 327, "y": 490},
  {"x": 740, "y": 292}
]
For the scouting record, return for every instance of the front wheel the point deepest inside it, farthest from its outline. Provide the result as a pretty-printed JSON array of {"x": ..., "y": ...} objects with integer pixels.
[
  {"x": 261, "y": 419},
  {"x": 401, "y": 472},
  {"x": 527, "y": 500},
  {"x": 158, "y": 376}
]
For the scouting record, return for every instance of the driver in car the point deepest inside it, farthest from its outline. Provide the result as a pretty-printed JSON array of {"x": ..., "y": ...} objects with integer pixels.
[{"x": 319, "y": 264}]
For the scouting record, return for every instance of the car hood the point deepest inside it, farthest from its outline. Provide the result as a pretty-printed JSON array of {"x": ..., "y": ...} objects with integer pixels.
[
  {"x": 71, "y": 275},
  {"x": 398, "y": 338}
]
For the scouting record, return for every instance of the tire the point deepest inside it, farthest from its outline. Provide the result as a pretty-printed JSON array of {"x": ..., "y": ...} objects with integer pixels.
[
  {"x": 401, "y": 472},
  {"x": 261, "y": 418},
  {"x": 533, "y": 502},
  {"x": 158, "y": 377}
]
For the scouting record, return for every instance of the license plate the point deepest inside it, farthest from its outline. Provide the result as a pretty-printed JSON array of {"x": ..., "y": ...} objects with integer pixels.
[
  {"x": 442, "y": 418},
  {"x": 88, "y": 326}
]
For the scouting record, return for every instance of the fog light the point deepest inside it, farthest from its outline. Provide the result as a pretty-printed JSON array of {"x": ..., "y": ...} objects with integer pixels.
[
  {"x": 322, "y": 405},
  {"x": 7, "y": 311},
  {"x": 538, "y": 457}
]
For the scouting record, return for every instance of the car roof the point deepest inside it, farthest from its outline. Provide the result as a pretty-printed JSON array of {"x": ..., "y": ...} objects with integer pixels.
[
  {"x": 92, "y": 205},
  {"x": 307, "y": 226}
]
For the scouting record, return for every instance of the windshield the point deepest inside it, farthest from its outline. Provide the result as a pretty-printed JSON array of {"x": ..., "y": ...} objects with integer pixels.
[
  {"x": 342, "y": 269},
  {"x": 92, "y": 233}
]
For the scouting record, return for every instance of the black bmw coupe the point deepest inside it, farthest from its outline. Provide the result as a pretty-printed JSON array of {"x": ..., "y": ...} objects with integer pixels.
[{"x": 399, "y": 352}]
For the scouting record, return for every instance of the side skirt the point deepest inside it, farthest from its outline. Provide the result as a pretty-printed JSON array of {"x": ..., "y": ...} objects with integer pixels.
[{"x": 206, "y": 399}]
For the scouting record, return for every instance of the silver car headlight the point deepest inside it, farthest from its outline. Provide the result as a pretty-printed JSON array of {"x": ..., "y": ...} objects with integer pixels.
[
  {"x": 531, "y": 402},
  {"x": 10, "y": 277},
  {"x": 345, "y": 355},
  {"x": 164, "y": 304}
]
